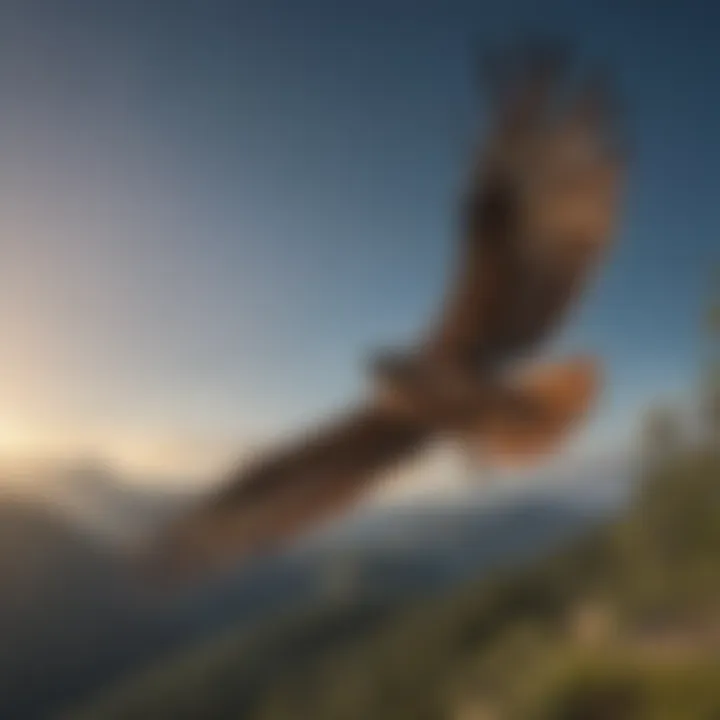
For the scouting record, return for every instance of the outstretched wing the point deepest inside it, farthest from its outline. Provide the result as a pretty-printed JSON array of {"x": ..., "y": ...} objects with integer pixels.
[
  {"x": 281, "y": 494},
  {"x": 538, "y": 214}
]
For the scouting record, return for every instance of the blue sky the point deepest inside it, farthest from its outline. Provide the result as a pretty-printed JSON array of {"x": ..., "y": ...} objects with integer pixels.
[{"x": 212, "y": 212}]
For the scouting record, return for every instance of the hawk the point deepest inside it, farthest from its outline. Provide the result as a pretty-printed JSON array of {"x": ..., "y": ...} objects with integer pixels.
[{"x": 538, "y": 213}]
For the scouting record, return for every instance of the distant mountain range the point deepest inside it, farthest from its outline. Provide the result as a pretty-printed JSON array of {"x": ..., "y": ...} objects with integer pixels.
[{"x": 73, "y": 618}]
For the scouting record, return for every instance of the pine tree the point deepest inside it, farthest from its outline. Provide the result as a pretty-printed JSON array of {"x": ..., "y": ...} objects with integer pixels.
[
  {"x": 710, "y": 398},
  {"x": 661, "y": 435}
]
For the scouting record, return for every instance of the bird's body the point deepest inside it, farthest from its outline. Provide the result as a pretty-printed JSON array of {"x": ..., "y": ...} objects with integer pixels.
[{"x": 538, "y": 213}]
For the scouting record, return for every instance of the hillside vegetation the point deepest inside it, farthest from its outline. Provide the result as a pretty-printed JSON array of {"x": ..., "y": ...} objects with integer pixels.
[{"x": 624, "y": 624}]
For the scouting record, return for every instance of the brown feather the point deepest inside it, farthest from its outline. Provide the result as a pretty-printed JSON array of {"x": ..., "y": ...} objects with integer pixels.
[{"x": 538, "y": 411}]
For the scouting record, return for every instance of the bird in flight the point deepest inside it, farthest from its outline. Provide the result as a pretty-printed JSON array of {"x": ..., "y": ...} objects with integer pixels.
[{"x": 538, "y": 213}]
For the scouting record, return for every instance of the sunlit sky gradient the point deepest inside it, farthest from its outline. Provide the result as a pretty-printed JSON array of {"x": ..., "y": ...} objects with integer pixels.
[{"x": 211, "y": 212}]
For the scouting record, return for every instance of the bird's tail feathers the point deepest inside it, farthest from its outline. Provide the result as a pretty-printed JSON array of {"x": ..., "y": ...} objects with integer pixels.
[{"x": 541, "y": 408}]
